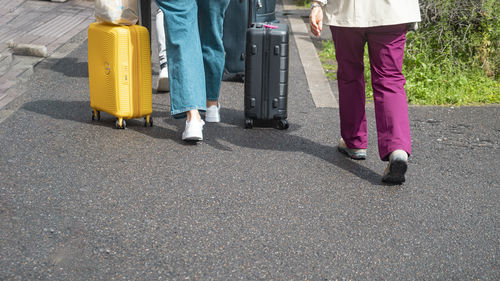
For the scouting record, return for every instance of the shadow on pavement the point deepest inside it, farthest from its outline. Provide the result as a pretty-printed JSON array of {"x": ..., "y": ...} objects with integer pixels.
[
  {"x": 68, "y": 66},
  {"x": 215, "y": 134},
  {"x": 276, "y": 140},
  {"x": 80, "y": 111}
]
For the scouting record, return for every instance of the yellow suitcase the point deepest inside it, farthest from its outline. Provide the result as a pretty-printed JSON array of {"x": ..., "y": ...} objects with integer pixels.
[{"x": 119, "y": 60}]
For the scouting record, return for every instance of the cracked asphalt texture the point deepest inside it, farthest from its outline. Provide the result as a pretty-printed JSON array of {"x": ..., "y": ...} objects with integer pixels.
[{"x": 80, "y": 200}]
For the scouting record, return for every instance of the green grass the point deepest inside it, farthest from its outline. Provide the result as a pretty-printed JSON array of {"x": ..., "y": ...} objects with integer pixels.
[
  {"x": 303, "y": 3},
  {"x": 429, "y": 82}
]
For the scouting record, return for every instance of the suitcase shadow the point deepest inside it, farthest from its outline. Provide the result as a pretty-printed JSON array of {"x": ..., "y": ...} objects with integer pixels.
[
  {"x": 230, "y": 130},
  {"x": 268, "y": 138},
  {"x": 80, "y": 111},
  {"x": 69, "y": 66}
]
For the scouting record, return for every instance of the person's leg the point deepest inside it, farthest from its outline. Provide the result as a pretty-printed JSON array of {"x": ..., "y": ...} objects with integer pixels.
[
  {"x": 211, "y": 20},
  {"x": 349, "y": 50},
  {"x": 386, "y": 48},
  {"x": 185, "y": 59},
  {"x": 160, "y": 30},
  {"x": 163, "y": 83}
]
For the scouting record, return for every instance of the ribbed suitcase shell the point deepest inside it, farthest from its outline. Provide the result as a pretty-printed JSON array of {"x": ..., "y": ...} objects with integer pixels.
[
  {"x": 119, "y": 60},
  {"x": 266, "y": 74}
]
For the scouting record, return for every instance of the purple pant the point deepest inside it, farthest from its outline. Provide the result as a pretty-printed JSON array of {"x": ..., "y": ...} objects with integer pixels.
[{"x": 386, "y": 49}]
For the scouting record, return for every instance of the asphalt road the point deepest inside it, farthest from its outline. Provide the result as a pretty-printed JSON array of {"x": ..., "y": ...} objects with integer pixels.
[{"x": 80, "y": 200}]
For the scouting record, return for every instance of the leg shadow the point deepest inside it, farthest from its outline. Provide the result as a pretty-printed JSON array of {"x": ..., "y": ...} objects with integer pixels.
[{"x": 280, "y": 140}]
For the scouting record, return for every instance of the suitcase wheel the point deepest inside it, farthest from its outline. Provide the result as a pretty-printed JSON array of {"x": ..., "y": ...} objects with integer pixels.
[
  {"x": 96, "y": 115},
  {"x": 282, "y": 124},
  {"x": 120, "y": 123},
  {"x": 148, "y": 121},
  {"x": 248, "y": 123}
]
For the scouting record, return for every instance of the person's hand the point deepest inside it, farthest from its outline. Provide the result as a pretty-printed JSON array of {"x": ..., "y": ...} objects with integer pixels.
[{"x": 316, "y": 20}]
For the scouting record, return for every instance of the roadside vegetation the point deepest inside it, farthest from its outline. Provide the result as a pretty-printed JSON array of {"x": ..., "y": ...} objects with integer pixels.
[
  {"x": 452, "y": 59},
  {"x": 303, "y": 3}
]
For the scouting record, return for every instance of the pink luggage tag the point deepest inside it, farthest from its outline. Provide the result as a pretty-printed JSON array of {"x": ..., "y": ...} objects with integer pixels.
[{"x": 270, "y": 26}]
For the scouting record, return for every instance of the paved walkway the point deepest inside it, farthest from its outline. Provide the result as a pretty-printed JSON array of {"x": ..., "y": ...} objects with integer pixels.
[
  {"x": 80, "y": 200},
  {"x": 43, "y": 23}
]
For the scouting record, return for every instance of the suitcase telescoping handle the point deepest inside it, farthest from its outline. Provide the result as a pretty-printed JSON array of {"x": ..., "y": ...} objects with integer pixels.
[
  {"x": 145, "y": 16},
  {"x": 145, "y": 13},
  {"x": 250, "y": 10},
  {"x": 250, "y": 13}
]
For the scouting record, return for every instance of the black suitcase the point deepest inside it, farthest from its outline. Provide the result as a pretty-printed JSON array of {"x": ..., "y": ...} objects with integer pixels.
[
  {"x": 235, "y": 26},
  {"x": 266, "y": 74}
]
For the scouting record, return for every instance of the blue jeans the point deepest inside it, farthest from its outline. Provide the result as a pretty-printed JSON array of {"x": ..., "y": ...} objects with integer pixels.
[{"x": 195, "y": 51}]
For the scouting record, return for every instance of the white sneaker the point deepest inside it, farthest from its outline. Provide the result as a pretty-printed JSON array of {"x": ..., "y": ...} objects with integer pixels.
[
  {"x": 213, "y": 114},
  {"x": 193, "y": 131},
  {"x": 163, "y": 81}
]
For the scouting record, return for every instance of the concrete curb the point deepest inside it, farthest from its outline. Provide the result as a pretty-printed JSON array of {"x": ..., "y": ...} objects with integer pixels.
[{"x": 319, "y": 86}]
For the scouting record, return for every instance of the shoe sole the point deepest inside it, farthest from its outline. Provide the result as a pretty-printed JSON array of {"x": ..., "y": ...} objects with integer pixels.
[
  {"x": 163, "y": 85},
  {"x": 353, "y": 156},
  {"x": 396, "y": 174},
  {"x": 192, "y": 139},
  {"x": 212, "y": 119}
]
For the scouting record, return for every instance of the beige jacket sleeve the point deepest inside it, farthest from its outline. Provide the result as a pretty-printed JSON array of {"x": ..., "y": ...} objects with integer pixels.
[{"x": 369, "y": 13}]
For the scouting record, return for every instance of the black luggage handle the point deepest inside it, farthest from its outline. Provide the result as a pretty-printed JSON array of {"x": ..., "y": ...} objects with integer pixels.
[
  {"x": 145, "y": 13},
  {"x": 250, "y": 12}
]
